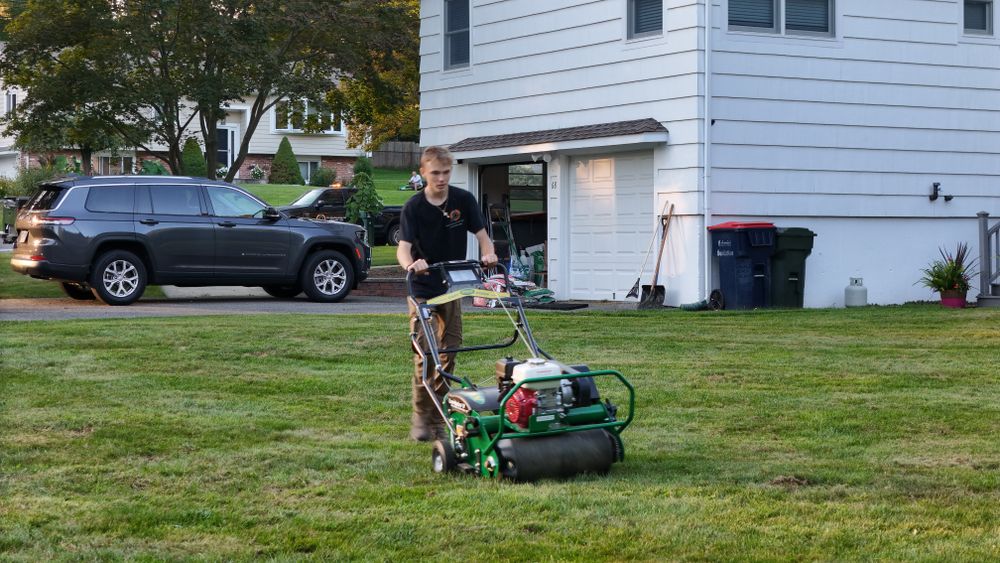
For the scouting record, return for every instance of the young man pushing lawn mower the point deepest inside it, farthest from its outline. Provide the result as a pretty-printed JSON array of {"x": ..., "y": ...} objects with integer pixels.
[
  {"x": 542, "y": 418},
  {"x": 434, "y": 226}
]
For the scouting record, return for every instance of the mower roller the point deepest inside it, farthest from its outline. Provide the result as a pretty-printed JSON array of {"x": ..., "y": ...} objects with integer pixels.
[{"x": 541, "y": 418}]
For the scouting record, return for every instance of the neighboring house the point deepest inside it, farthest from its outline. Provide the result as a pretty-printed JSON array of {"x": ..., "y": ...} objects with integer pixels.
[
  {"x": 312, "y": 150},
  {"x": 832, "y": 115}
]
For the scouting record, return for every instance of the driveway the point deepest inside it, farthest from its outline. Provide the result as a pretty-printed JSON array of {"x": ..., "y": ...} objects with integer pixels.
[{"x": 65, "y": 308}]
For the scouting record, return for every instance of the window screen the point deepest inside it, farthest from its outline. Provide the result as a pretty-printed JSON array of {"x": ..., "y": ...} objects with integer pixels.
[
  {"x": 978, "y": 16},
  {"x": 456, "y": 36},
  {"x": 807, "y": 15},
  {"x": 752, "y": 13},
  {"x": 646, "y": 17},
  {"x": 111, "y": 199},
  {"x": 175, "y": 200}
]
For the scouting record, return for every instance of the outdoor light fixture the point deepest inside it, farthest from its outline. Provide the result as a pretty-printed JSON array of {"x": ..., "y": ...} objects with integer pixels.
[{"x": 936, "y": 190}]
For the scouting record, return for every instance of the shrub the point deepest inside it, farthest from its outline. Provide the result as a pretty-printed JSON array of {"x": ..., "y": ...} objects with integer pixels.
[
  {"x": 363, "y": 165},
  {"x": 323, "y": 177},
  {"x": 364, "y": 203},
  {"x": 256, "y": 172},
  {"x": 153, "y": 168},
  {"x": 27, "y": 180},
  {"x": 193, "y": 160},
  {"x": 284, "y": 168}
]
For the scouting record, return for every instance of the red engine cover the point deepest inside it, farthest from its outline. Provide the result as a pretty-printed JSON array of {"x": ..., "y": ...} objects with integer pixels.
[{"x": 521, "y": 406}]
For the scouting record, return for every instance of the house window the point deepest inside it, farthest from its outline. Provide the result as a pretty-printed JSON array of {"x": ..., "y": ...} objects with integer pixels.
[
  {"x": 798, "y": 17},
  {"x": 293, "y": 116},
  {"x": 645, "y": 18},
  {"x": 308, "y": 168},
  {"x": 527, "y": 187},
  {"x": 456, "y": 33},
  {"x": 111, "y": 165},
  {"x": 979, "y": 17},
  {"x": 10, "y": 103}
]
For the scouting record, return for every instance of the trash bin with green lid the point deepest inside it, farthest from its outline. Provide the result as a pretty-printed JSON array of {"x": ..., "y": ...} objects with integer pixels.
[{"x": 788, "y": 266}]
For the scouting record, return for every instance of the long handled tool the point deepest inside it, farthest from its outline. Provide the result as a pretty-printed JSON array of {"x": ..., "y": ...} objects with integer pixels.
[
  {"x": 653, "y": 294},
  {"x": 634, "y": 292}
]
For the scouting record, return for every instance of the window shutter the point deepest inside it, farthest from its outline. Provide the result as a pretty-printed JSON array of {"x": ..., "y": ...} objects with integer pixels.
[
  {"x": 807, "y": 15},
  {"x": 977, "y": 16},
  {"x": 752, "y": 13},
  {"x": 648, "y": 17}
]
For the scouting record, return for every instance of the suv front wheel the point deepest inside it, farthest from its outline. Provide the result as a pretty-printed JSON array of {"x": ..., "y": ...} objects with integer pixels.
[
  {"x": 118, "y": 277},
  {"x": 327, "y": 276}
]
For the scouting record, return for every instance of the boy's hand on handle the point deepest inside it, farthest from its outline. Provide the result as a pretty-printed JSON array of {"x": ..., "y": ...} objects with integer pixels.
[
  {"x": 489, "y": 260},
  {"x": 418, "y": 266}
]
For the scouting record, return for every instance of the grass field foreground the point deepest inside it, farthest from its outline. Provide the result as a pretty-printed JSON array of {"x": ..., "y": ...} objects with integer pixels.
[{"x": 811, "y": 434}]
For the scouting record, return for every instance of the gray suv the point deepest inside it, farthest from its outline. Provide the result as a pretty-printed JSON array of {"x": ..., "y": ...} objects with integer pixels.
[{"x": 110, "y": 236}]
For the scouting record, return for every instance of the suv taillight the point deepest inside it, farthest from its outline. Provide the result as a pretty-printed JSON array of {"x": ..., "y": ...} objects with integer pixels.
[{"x": 43, "y": 220}]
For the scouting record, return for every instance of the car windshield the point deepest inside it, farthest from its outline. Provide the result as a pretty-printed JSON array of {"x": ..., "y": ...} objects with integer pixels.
[{"x": 308, "y": 198}]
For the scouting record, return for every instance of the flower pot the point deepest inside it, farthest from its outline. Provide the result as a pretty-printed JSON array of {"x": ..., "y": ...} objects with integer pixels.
[{"x": 953, "y": 298}]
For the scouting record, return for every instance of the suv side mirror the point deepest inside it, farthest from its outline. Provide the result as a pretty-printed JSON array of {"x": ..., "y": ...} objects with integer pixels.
[
  {"x": 272, "y": 214},
  {"x": 320, "y": 203}
]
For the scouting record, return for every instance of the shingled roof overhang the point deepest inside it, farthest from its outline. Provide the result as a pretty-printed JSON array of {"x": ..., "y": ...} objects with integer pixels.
[{"x": 618, "y": 135}]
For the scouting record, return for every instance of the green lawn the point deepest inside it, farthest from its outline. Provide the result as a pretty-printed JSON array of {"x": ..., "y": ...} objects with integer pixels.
[
  {"x": 859, "y": 434},
  {"x": 387, "y": 182}
]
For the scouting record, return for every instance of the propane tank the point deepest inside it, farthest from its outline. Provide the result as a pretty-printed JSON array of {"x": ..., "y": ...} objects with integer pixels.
[
  {"x": 537, "y": 367},
  {"x": 855, "y": 294}
]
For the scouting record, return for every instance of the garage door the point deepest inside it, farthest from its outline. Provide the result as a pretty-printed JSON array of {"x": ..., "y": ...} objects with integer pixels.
[{"x": 610, "y": 224}]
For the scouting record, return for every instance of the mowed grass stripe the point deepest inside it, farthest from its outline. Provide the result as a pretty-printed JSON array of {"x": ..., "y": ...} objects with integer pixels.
[{"x": 850, "y": 434}]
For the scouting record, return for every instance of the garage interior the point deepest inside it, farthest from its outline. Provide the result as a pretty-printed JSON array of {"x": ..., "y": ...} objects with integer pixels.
[{"x": 514, "y": 203}]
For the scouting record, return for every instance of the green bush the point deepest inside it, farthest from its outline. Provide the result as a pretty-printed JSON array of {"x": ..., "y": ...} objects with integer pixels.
[
  {"x": 193, "y": 160},
  {"x": 363, "y": 165},
  {"x": 153, "y": 168},
  {"x": 284, "y": 168},
  {"x": 27, "y": 180},
  {"x": 364, "y": 203},
  {"x": 323, "y": 177}
]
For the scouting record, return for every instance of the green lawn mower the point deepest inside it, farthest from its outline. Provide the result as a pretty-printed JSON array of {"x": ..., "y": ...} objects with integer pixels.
[{"x": 542, "y": 418}]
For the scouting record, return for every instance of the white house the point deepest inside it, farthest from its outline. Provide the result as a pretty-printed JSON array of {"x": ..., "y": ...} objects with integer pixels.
[
  {"x": 326, "y": 148},
  {"x": 835, "y": 115}
]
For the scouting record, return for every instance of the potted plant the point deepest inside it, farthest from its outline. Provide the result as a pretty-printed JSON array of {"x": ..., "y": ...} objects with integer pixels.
[{"x": 950, "y": 276}]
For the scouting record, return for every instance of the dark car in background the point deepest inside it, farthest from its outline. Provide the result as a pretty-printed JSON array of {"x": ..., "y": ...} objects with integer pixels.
[
  {"x": 331, "y": 204},
  {"x": 108, "y": 237}
]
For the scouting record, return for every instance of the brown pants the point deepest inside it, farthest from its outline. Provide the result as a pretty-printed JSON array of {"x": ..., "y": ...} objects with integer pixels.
[{"x": 446, "y": 322}]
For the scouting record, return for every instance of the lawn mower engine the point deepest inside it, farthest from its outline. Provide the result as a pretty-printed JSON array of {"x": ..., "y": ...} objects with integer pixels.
[{"x": 544, "y": 434}]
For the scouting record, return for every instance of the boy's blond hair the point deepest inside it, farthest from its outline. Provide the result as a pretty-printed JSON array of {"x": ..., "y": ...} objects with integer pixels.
[{"x": 431, "y": 154}]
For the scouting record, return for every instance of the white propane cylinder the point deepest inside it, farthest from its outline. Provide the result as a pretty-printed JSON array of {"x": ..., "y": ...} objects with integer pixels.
[
  {"x": 855, "y": 294},
  {"x": 537, "y": 367}
]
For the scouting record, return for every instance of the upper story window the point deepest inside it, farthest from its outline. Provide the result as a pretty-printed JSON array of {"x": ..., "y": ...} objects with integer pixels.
[
  {"x": 645, "y": 18},
  {"x": 293, "y": 116},
  {"x": 456, "y": 33},
  {"x": 979, "y": 17},
  {"x": 10, "y": 102},
  {"x": 798, "y": 17}
]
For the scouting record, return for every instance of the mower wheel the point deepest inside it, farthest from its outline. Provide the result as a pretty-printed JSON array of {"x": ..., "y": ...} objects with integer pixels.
[{"x": 443, "y": 457}]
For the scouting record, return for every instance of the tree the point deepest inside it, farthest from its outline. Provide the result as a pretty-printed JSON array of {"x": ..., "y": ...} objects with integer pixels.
[
  {"x": 284, "y": 167},
  {"x": 192, "y": 159},
  {"x": 156, "y": 67},
  {"x": 365, "y": 203}
]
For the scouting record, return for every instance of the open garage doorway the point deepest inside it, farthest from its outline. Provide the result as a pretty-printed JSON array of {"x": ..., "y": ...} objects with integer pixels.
[{"x": 514, "y": 204}]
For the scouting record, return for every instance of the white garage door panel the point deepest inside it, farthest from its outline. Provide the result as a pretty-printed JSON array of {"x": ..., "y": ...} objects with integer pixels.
[{"x": 610, "y": 224}]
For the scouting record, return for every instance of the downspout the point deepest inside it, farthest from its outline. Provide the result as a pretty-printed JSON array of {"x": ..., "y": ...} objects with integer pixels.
[{"x": 706, "y": 175}]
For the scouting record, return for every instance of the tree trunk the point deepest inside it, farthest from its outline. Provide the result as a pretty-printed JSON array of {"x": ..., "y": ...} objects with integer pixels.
[{"x": 86, "y": 153}]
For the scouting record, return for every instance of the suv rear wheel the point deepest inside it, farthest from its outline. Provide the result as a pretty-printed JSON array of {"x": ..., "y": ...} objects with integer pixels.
[
  {"x": 393, "y": 237},
  {"x": 77, "y": 291},
  {"x": 118, "y": 277},
  {"x": 327, "y": 276}
]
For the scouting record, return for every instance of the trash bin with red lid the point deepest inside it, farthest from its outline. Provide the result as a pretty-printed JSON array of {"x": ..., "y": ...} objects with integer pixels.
[{"x": 743, "y": 251}]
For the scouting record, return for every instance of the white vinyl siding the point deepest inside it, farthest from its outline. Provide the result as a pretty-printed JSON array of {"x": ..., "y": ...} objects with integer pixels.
[
  {"x": 793, "y": 17},
  {"x": 645, "y": 18},
  {"x": 978, "y": 17},
  {"x": 456, "y": 34}
]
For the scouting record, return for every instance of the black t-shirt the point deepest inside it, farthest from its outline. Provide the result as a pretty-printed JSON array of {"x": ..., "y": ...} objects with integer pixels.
[{"x": 438, "y": 233}]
